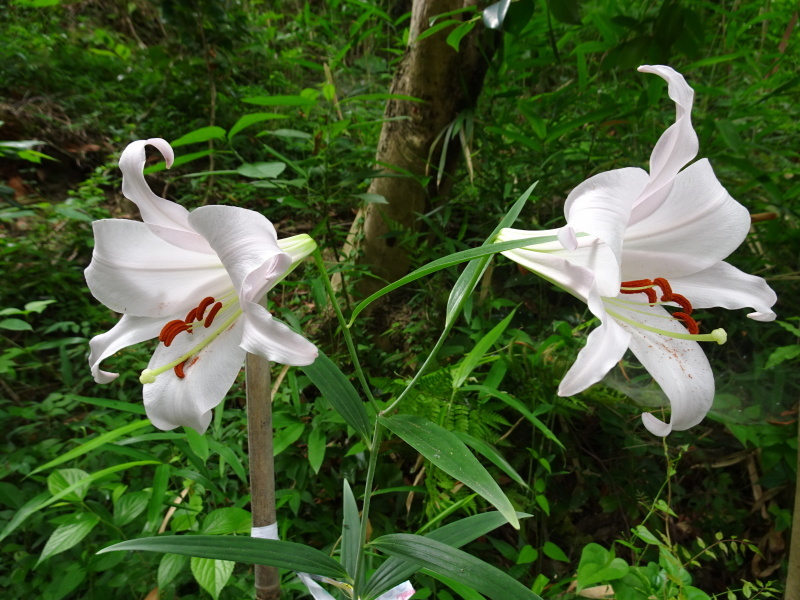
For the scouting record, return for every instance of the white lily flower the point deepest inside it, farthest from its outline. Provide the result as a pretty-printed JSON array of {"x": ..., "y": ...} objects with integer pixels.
[
  {"x": 194, "y": 281},
  {"x": 646, "y": 241}
]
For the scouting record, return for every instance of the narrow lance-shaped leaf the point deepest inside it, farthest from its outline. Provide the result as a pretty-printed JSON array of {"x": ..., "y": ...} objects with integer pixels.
[
  {"x": 454, "y": 534},
  {"x": 482, "y": 347},
  {"x": 284, "y": 555},
  {"x": 92, "y": 444},
  {"x": 338, "y": 390},
  {"x": 447, "y": 452},
  {"x": 455, "y": 564},
  {"x": 351, "y": 530},
  {"x": 449, "y": 261}
]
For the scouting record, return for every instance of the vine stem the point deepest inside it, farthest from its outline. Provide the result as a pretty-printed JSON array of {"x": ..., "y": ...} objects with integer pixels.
[{"x": 262, "y": 464}]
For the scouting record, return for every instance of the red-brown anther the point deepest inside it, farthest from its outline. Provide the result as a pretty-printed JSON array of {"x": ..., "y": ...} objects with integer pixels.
[
  {"x": 666, "y": 288},
  {"x": 637, "y": 283},
  {"x": 201, "y": 308},
  {"x": 190, "y": 317},
  {"x": 179, "y": 370},
  {"x": 652, "y": 298},
  {"x": 682, "y": 302},
  {"x": 176, "y": 328},
  {"x": 689, "y": 322},
  {"x": 166, "y": 330},
  {"x": 212, "y": 313}
]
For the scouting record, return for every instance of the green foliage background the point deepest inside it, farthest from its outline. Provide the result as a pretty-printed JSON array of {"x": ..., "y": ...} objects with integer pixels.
[{"x": 562, "y": 101}]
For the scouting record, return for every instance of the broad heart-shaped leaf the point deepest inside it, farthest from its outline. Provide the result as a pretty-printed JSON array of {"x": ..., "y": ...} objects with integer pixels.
[
  {"x": 455, "y": 535},
  {"x": 451, "y": 455},
  {"x": 338, "y": 390},
  {"x": 284, "y": 555},
  {"x": 212, "y": 575},
  {"x": 599, "y": 565},
  {"x": 455, "y": 564}
]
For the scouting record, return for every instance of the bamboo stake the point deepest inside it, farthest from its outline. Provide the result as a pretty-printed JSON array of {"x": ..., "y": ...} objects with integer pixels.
[
  {"x": 262, "y": 465},
  {"x": 793, "y": 568}
]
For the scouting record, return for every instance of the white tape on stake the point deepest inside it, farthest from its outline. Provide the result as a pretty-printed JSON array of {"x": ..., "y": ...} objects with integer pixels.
[{"x": 267, "y": 532}]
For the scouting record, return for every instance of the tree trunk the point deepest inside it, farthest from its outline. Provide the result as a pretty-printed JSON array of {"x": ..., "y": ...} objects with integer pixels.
[{"x": 448, "y": 82}]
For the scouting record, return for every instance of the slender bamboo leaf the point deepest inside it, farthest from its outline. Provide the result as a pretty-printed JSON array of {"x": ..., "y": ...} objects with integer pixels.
[
  {"x": 470, "y": 361},
  {"x": 492, "y": 454},
  {"x": 518, "y": 406},
  {"x": 284, "y": 555},
  {"x": 351, "y": 530},
  {"x": 456, "y": 534},
  {"x": 455, "y": 564},
  {"x": 447, "y": 452},
  {"x": 338, "y": 390},
  {"x": 92, "y": 444},
  {"x": 449, "y": 261}
]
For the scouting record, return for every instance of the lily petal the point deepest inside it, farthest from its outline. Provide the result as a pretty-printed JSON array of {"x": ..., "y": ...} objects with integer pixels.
[
  {"x": 590, "y": 263},
  {"x": 726, "y": 286},
  {"x": 601, "y": 205},
  {"x": 247, "y": 245},
  {"x": 171, "y": 401},
  {"x": 604, "y": 348},
  {"x": 135, "y": 272},
  {"x": 168, "y": 220},
  {"x": 273, "y": 340},
  {"x": 699, "y": 225},
  {"x": 679, "y": 366},
  {"x": 674, "y": 149},
  {"x": 128, "y": 331}
]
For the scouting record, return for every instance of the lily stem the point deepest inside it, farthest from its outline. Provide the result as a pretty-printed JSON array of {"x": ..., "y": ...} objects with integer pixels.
[
  {"x": 262, "y": 464},
  {"x": 348, "y": 338}
]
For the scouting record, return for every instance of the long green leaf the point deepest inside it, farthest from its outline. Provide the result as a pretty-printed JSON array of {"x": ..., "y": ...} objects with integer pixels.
[
  {"x": 449, "y": 261},
  {"x": 338, "y": 390},
  {"x": 473, "y": 272},
  {"x": 455, "y": 564},
  {"x": 456, "y": 534},
  {"x": 447, "y": 452},
  {"x": 518, "y": 406},
  {"x": 471, "y": 360},
  {"x": 351, "y": 530},
  {"x": 25, "y": 512},
  {"x": 284, "y": 555},
  {"x": 491, "y": 453},
  {"x": 92, "y": 444}
]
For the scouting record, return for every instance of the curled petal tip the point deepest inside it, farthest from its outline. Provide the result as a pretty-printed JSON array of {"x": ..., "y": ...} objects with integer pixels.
[
  {"x": 566, "y": 235},
  {"x": 656, "y": 426},
  {"x": 165, "y": 149},
  {"x": 762, "y": 316}
]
